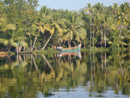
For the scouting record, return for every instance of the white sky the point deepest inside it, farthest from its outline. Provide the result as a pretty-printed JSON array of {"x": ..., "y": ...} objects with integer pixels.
[{"x": 75, "y": 4}]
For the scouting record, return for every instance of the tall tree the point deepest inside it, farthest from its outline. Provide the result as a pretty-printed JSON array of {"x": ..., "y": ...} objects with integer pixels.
[
  {"x": 123, "y": 16},
  {"x": 75, "y": 30},
  {"x": 56, "y": 24},
  {"x": 13, "y": 38},
  {"x": 89, "y": 8},
  {"x": 97, "y": 17}
]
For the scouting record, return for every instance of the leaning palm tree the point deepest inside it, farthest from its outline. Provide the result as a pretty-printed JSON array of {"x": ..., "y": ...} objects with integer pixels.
[
  {"x": 43, "y": 20},
  {"x": 40, "y": 25},
  {"x": 31, "y": 32},
  {"x": 56, "y": 26}
]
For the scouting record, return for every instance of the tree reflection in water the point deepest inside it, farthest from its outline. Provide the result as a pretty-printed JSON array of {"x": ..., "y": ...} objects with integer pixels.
[{"x": 30, "y": 75}]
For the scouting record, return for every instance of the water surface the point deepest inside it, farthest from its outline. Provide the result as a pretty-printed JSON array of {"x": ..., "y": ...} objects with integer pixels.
[{"x": 66, "y": 75}]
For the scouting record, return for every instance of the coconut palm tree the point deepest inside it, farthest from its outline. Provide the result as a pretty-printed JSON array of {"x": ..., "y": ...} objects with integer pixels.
[
  {"x": 86, "y": 19},
  {"x": 32, "y": 32},
  {"x": 12, "y": 38},
  {"x": 97, "y": 16},
  {"x": 116, "y": 41},
  {"x": 89, "y": 8},
  {"x": 2, "y": 9},
  {"x": 114, "y": 8},
  {"x": 105, "y": 16},
  {"x": 56, "y": 25},
  {"x": 75, "y": 30},
  {"x": 40, "y": 25},
  {"x": 123, "y": 16}
]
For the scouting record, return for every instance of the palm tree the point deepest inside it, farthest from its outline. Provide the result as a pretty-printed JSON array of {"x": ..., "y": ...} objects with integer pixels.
[
  {"x": 97, "y": 16},
  {"x": 56, "y": 24},
  {"x": 40, "y": 25},
  {"x": 75, "y": 30},
  {"x": 86, "y": 19},
  {"x": 114, "y": 8},
  {"x": 13, "y": 38},
  {"x": 123, "y": 16},
  {"x": 32, "y": 31},
  {"x": 105, "y": 16},
  {"x": 2, "y": 9},
  {"x": 89, "y": 8},
  {"x": 43, "y": 23},
  {"x": 116, "y": 41}
]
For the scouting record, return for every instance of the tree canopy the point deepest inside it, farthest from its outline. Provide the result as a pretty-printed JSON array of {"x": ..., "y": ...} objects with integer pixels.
[{"x": 19, "y": 19}]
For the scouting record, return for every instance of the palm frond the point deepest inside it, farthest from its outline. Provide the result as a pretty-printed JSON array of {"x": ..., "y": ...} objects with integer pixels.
[
  {"x": 52, "y": 31},
  {"x": 13, "y": 43},
  {"x": 23, "y": 43},
  {"x": 41, "y": 29},
  {"x": 58, "y": 28},
  {"x": 10, "y": 27},
  {"x": 47, "y": 28},
  {"x": 4, "y": 41},
  {"x": 18, "y": 38}
]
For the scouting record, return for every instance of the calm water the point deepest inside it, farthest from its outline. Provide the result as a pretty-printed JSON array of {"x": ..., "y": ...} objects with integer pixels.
[{"x": 66, "y": 75}]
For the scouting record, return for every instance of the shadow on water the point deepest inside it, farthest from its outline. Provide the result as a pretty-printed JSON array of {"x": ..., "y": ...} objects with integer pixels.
[{"x": 70, "y": 74}]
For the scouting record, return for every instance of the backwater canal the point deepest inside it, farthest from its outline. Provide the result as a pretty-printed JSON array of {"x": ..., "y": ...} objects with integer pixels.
[{"x": 66, "y": 75}]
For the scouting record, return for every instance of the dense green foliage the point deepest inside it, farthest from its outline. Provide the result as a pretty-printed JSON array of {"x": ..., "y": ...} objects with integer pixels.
[{"x": 21, "y": 24}]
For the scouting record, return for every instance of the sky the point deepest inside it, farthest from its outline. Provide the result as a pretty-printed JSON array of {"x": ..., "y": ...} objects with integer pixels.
[{"x": 75, "y": 4}]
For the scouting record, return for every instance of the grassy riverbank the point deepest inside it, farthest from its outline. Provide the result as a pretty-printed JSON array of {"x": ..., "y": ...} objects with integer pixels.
[{"x": 53, "y": 51}]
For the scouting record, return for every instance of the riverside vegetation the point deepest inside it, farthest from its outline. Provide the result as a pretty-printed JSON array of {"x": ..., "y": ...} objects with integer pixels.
[{"x": 23, "y": 28}]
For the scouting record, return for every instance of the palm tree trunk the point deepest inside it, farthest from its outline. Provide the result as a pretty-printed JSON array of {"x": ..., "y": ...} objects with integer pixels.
[
  {"x": 44, "y": 39},
  {"x": 101, "y": 36},
  {"x": 105, "y": 59},
  {"x": 120, "y": 31},
  {"x": 47, "y": 42},
  {"x": 93, "y": 37},
  {"x": 24, "y": 49},
  {"x": 30, "y": 43},
  {"x": 17, "y": 49},
  {"x": 105, "y": 37},
  {"x": 90, "y": 37},
  {"x": 90, "y": 31},
  {"x": 20, "y": 47},
  {"x": 9, "y": 48},
  {"x": 34, "y": 42},
  {"x": 70, "y": 43}
]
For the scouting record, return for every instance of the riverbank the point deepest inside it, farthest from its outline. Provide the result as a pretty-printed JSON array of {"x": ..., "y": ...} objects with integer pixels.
[{"x": 53, "y": 51}]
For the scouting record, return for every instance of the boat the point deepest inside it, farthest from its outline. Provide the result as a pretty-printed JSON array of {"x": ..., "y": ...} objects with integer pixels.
[
  {"x": 69, "y": 53},
  {"x": 77, "y": 48}
]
